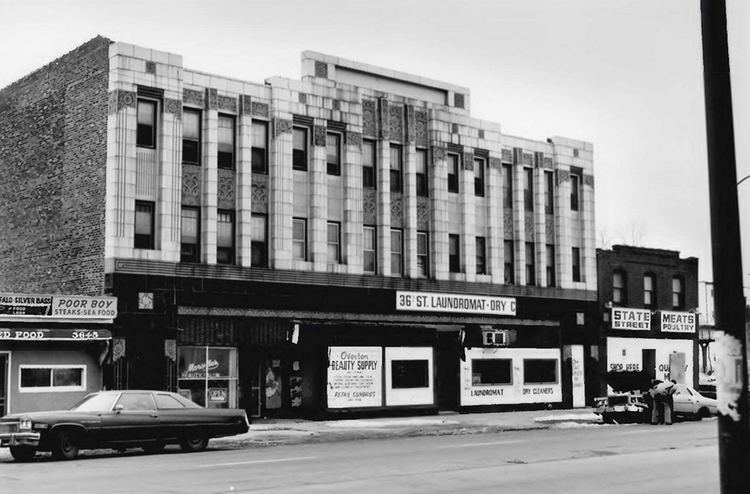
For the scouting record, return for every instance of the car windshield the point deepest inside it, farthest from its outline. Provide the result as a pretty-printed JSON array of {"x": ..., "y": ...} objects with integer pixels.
[{"x": 97, "y": 402}]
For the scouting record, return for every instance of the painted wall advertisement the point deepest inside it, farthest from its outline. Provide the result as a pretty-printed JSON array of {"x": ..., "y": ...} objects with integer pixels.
[
  {"x": 626, "y": 355},
  {"x": 355, "y": 377},
  {"x": 677, "y": 322},
  {"x": 638, "y": 319}
]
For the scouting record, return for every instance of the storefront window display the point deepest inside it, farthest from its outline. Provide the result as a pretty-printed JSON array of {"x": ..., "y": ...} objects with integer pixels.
[{"x": 208, "y": 375}]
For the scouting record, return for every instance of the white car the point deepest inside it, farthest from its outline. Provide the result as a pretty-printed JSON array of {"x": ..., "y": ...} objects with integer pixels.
[{"x": 688, "y": 403}]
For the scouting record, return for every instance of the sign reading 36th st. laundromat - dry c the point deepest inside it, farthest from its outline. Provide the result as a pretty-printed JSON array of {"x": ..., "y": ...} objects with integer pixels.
[{"x": 451, "y": 302}]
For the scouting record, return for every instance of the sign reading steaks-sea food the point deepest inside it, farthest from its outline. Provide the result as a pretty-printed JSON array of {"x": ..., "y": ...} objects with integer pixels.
[
  {"x": 455, "y": 302},
  {"x": 355, "y": 376}
]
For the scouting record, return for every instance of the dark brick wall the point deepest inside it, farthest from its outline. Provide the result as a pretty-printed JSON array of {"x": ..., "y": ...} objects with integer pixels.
[{"x": 53, "y": 147}]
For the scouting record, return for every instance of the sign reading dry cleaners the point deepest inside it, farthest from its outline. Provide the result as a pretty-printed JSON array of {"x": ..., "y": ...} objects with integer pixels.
[{"x": 452, "y": 302}]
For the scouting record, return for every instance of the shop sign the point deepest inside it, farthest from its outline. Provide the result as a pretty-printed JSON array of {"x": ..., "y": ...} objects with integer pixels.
[
  {"x": 217, "y": 395},
  {"x": 13, "y": 306},
  {"x": 200, "y": 369},
  {"x": 638, "y": 319},
  {"x": 678, "y": 322},
  {"x": 455, "y": 302},
  {"x": 55, "y": 334},
  {"x": 355, "y": 377}
]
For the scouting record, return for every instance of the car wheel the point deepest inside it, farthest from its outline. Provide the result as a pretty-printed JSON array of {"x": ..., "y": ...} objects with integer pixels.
[
  {"x": 194, "y": 441},
  {"x": 65, "y": 445},
  {"x": 607, "y": 418},
  {"x": 702, "y": 413},
  {"x": 154, "y": 447},
  {"x": 22, "y": 453}
]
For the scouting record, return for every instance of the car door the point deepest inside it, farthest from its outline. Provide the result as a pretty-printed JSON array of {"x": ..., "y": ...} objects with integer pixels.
[
  {"x": 134, "y": 418},
  {"x": 684, "y": 401}
]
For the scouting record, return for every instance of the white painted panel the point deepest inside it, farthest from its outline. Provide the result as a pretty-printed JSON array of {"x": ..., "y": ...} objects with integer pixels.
[
  {"x": 626, "y": 355},
  {"x": 409, "y": 396}
]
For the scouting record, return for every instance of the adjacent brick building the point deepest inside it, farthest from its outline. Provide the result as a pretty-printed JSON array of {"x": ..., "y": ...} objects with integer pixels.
[{"x": 350, "y": 241}]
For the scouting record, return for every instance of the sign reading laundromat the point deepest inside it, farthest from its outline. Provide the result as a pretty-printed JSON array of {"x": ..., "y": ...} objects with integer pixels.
[
  {"x": 677, "y": 322},
  {"x": 452, "y": 302},
  {"x": 639, "y": 319}
]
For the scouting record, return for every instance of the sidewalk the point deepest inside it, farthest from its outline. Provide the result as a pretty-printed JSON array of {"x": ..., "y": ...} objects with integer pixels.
[{"x": 271, "y": 432}]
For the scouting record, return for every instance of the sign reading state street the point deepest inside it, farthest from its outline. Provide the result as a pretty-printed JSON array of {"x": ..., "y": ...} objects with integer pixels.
[
  {"x": 451, "y": 302},
  {"x": 639, "y": 319}
]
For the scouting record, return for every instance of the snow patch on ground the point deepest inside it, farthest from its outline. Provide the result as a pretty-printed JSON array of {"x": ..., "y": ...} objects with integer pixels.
[
  {"x": 357, "y": 424},
  {"x": 570, "y": 417}
]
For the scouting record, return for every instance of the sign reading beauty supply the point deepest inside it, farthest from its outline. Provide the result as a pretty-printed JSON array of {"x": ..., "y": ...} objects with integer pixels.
[
  {"x": 14, "y": 306},
  {"x": 677, "y": 322},
  {"x": 451, "y": 302},
  {"x": 639, "y": 319},
  {"x": 355, "y": 376}
]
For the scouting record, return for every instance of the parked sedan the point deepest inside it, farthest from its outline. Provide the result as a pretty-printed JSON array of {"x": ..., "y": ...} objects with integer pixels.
[
  {"x": 689, "y": 403},
  {"x": 119, "y": 420}
]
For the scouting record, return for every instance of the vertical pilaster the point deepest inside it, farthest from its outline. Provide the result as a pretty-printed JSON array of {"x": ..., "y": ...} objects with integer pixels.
[
  {"x": 588, "y": 264},
  {"x": 410, "y": 210},
  {"x": 540, "y": 232},
  {"x": 244, "y": 189},
  {"x": 438, "y": 185},
  {"x": 318, "y": 198},
  {"x": 384, "y": 207},
  {"x": 467, "y": 230},
  {"x": 210, "y": 181},
  {"x": 280, "y": 192},
  {"x": 519, "y": 221},
  {"x": 495, "y": 220},
  {"x": 563, "y": 229},
  {"x": 353, "y": 238},
  {"x": 170, "y": 180}
]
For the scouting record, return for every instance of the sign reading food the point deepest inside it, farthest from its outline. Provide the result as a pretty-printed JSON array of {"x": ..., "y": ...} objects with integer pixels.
[
  {"x": 55, "y": 334},
  {"x": 451, "y": 302},
  {"x": 677, "y": 322},
  {"x": 57, "y": 306},
  {"x": 355, "y": 377},
  {"x": 638, "y": 319}
]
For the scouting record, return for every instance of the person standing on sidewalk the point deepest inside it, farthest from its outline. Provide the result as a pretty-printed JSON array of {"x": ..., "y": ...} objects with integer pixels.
[{"x": 661, "y": 392}]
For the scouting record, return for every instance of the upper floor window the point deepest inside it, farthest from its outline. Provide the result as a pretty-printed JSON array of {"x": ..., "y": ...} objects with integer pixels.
[
  {"x": 333, "y": 153},
  {"x": 369, "y": 250},
  {"x": 619, "y": 288},
  {"x": 259, "y": 240},
  {"x": 528, "y": 189},
  {"x": 259, "y": 151},
  {"x": 454, "y": 253},
  {"x": 225, "y": 237},
  {"x": 509, "y": 255},
  {"x": 576, "y": 257},
  {"x": 423, "y": 258},
  {"x": 678, "y": 293},
  {"x": 397, "y": 165},
  {"x": 191, "y": 136},
  {"x": 508, "y": 186},
  {"x": 479, "y": 164},
  {"x": 299, "y": 148},
  {"x": 550, "y": 265},
  {"x": 530, "y": 264},
  {"x": 226, "y": 142},
  {"x": 299, "y": 239},
  {"x": 549, "y": 196},
  {"x": 481, "y": 255},
  {"x": 190, "y": 234},
  {"x": 454, "y": 165},
  {"x": 397, "y": 248},
  {"x": 146, "y": 133},
  {"x": 334, "y": 242},
  {"x": 575, "y": 185},
  {"x": 144, "y": 225},
  {"x": 422, "y": 172},
  {"x": 649, "y": 287},
  {"x": 368, "y": 164}
]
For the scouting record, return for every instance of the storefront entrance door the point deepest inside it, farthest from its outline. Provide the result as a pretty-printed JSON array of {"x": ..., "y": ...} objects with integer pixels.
[{"x": 4, "y": 358}]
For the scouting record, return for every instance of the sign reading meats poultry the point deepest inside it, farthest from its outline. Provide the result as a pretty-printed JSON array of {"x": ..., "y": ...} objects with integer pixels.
[{"x": 677, "y": 322}]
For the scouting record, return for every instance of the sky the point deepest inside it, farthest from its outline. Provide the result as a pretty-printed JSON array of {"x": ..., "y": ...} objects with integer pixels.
[{"x": 626, "y": 75}]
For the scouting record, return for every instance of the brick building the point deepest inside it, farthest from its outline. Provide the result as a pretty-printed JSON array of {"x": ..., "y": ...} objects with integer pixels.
[
  {"x": 351, "y": 241},
  {"x": 648, "y": 300}
]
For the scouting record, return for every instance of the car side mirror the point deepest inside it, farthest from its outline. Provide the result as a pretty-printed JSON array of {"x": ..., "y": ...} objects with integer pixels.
[{"x": 119, "y": 408}]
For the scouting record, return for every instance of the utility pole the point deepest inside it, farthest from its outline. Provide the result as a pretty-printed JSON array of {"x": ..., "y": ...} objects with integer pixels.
[{"x": 729, "y": 304}]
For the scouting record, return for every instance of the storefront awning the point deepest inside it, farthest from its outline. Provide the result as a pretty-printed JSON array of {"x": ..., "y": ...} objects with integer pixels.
[{"x": 28, "y": 334}]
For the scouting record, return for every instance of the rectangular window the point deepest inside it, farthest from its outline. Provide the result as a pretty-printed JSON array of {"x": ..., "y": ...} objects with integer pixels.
[
  {"x": 618, "y": 287},
  {"x": 479, "y": 164},
  {"x": 259, "y": 151},
  {"x": 410, "y": 374},
  {"x": 191, "y": 136},
  {"x": 299, "y": 148},
  {"x": 576, "y": 254},
  {"x": 259, "y": 241},
  {"x": 648, "y": 290},
  {"x": 397, "y": 165},
  {"x": 507, "y": 186},
  {"x": 333, "y": 153},
  {"x": 334, "y": 242},
  {"x": 368, "y": 164},
  {"x": 549, "y": 197},
  {"x": 422, "y": 187},
  {"x": 51, "y": 378},
  {"x": 678, "y": 293},
  {"x": 491, "y": 371},
  {"x": 539, "y": 371},
  {"x": 144, "y": 225},
  {"x": 530, "y": 264},
  {"x": 575, "y": 184},
  {"x": 397, "y": 248},
  {"x": 225, "y": 237},
  {"x": 454, "y": 165},
  {"x": 226, "y": 142},
  {"x": 509, "y": 254},
  {"x": 528, "y": 189},
  {"x": 481, "y": 255},
  {"x": 550, "y": 266},
  {"x": 299, "y": 239},
  {"x": 146, "y": 133},
  {"x": 369, "y": 252},
  {"x": 190, "y": 234},
  {"x": 454, "y": 253},
  {"x": 423, "y": 258}
]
